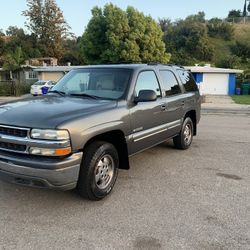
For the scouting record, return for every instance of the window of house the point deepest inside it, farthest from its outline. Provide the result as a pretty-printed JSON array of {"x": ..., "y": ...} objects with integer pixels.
[
  {"x": 147, "y": 81},
  {"x": 31, "y": 74},
  {"x": 171, "y": 85}
]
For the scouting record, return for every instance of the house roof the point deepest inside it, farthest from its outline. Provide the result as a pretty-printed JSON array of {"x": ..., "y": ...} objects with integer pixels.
[
  {"x": 56, "y": 68},
  {"x": 207, "y": 69}
]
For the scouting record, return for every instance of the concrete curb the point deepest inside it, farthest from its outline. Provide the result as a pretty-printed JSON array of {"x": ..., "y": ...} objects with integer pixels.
[{"x": 225, "y": 111}]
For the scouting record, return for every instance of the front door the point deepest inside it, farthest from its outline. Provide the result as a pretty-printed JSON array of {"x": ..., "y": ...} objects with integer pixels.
[{"x": 148, "y": 123}]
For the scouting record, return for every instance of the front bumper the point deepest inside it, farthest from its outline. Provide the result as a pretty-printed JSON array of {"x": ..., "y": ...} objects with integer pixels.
[{"x": 61, "y": 174}]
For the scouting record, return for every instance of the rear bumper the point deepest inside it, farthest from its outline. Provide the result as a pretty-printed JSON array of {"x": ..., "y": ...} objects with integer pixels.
[{"x": 60, "y": 175}]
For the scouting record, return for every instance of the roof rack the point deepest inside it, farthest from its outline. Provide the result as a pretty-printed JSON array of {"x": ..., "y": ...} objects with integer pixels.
[
  {"x": 123, "y": 62},
  {"x": 165, "y": 64}
]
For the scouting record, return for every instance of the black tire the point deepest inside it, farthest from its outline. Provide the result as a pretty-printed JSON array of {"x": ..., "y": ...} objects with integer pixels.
[
  {"x": 98, "y": 160},
  {"x": 184, "y": 141}
]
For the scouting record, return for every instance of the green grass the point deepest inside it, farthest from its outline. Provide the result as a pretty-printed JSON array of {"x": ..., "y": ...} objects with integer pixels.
[{"x": 242, "y": 99}]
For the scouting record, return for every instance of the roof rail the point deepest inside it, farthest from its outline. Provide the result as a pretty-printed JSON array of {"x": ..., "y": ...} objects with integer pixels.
[
  {"x": 122, "y": 62},
  {"x": 153, "y": 63},
  {"x": 165, "y": 64}
]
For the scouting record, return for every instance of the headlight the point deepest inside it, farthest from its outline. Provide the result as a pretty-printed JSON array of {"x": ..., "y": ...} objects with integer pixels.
[
  {"x": 50, "y": 151},
  {"x": 49, "y": 134}
]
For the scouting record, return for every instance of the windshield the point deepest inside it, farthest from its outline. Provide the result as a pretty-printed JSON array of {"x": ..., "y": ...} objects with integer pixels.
[
  {"x": 104, "y": 83},
  {"x": 40, "y": 83}
]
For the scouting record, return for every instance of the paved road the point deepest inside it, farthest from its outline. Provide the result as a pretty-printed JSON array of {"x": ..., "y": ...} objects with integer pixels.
[{"x": 170, "y": 199}]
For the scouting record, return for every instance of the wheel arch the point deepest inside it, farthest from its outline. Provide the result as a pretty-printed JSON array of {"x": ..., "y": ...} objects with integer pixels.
[
  {"x": 192, "y": 115},
  {"x": 117, "y": 138}
]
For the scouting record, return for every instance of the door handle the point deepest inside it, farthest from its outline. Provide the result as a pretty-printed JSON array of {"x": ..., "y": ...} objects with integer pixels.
[{"x": 182, "y": 103}]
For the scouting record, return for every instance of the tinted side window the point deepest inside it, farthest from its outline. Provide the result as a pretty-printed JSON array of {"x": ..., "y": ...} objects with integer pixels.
[
  {"x": 171, "y": 85},
  {"x": 147, "y": 81},
  {"x": 187, "y": 80}
]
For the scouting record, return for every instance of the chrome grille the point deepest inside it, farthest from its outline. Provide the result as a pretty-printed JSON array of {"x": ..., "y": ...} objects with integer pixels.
[
  {"x": 13, "y": 131},
  {"x": 10, "y": 138},
  {"x": 12, "y": 147}
]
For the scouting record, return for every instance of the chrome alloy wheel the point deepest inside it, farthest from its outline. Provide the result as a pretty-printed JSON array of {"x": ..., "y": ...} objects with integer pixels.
[
  {"x": 187, "y": 134},
  {"x": 104, "y": 171}
]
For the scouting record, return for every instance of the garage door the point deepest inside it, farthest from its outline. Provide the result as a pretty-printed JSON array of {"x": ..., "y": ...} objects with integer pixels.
[{"x": 214, "y": 84}]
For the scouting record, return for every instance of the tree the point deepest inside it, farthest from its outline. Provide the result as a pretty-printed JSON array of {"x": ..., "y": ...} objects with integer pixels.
[
  {"x": 35, "y": 15},
  {"x": 187, "y": 40},
  {"x": 199, "y": 17},
  {"x": 16, "y": 37},
  {"x": 242, "y": 50},
  {"x": 1, "y": 33},
  {"x": 229, "y": 61},
  {"x": 218, "y": 28},
  {"x": 234, "y": 14},
  {"x": 13, "y": 61},
  {"x": 45, "y": 20},
  {"x": 113, "y": 35},
  {"x": 72, "y": 52}
]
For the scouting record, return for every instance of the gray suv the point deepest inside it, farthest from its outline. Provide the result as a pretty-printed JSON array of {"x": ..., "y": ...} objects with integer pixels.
[{"x": 92, "y": 121}]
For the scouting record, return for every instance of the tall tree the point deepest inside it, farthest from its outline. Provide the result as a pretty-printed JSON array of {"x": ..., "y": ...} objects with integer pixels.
[
  {"x": 46, "y": 21},
  {"x": 114, "y": 35},
  {"x": 35, "y": 14}
]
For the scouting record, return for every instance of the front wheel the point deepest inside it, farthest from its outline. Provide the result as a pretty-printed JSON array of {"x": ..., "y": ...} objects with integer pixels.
[
  {"x": 99, "y": 170},
  {"x": 185, "y": 138}
]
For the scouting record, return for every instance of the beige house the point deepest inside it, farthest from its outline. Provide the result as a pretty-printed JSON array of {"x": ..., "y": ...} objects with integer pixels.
[{"x": 54, "y": 73}]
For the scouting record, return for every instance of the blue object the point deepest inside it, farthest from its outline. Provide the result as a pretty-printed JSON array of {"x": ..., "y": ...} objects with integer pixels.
[
  {"x": 45, "y": 90},
  {"x": 198, "y": 77},
  {"x": 232, "y": 84},
  {"x": 237, "y": 92}
]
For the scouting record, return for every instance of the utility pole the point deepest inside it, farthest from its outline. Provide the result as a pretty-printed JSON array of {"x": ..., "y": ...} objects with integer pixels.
[{"x": 245, "y": 11}]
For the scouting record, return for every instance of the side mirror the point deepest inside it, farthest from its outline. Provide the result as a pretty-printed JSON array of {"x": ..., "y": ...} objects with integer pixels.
[{"x": 146, "y": 95}]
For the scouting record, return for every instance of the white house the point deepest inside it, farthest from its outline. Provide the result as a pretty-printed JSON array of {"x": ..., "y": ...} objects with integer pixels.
[{"x": 215, "y": 81}]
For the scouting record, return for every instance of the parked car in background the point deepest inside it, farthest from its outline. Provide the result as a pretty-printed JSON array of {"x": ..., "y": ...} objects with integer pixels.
[{"x": 36, "y": 88}]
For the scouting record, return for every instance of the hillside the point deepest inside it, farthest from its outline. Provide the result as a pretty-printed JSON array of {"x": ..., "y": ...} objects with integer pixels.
[
  {"x": 227, "y": 53},
  {"x": 242, "y": 32}
]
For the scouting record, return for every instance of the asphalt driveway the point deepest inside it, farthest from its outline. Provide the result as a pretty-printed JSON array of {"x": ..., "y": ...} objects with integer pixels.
[{"x": 170, "y": 199}]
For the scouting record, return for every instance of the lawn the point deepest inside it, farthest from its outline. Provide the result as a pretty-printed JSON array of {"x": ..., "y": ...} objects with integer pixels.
[{"x": 242, "y": 99}]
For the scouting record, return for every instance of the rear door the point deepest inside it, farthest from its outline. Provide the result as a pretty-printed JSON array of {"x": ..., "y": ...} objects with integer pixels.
[{"x": 175, "y": 101}]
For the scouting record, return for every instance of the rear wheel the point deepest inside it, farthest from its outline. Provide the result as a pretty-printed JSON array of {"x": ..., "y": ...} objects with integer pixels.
[
  {"x": 185, "y": 138},
  {"x": 99, "y": 170}
]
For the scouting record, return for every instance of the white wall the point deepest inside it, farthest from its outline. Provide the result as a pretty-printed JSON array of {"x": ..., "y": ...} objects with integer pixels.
[{"x": 214, "y": 84}]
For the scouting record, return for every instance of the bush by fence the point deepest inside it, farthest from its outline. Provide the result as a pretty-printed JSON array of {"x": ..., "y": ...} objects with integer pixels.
[{"x": 11, "y": 88}]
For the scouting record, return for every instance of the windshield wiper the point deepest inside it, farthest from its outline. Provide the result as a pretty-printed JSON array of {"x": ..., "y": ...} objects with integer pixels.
[
  {"x": 86, "y": 95},
  {"x": 57, "y": 92}
]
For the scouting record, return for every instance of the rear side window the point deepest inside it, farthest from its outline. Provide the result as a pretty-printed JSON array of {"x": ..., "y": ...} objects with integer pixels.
[
  {"x": 171, "y": 85},
  {"x": 187, "y": 80}
]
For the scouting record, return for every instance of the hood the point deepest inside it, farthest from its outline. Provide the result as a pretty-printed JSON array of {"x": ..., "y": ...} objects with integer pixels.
[{"x": 49, "y": 111}]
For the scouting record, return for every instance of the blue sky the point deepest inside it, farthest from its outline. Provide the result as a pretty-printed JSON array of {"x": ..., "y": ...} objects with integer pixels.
[{"x": 78, "y": 12}]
